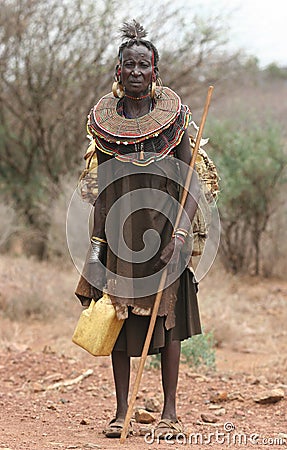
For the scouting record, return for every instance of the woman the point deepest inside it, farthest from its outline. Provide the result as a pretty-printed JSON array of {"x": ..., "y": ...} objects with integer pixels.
[{"x": 142, "y": 146}]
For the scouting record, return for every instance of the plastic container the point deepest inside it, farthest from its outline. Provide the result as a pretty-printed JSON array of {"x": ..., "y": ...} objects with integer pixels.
[{"x": 98, "y": 327}]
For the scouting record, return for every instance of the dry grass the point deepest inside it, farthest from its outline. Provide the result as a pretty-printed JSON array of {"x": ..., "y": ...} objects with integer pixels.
[
  {"x": 247, "y": 315},
  {"x": 57, "y": 242},
  {"x": 30, "y": 289},
  {"x": 38, "y": 308}
]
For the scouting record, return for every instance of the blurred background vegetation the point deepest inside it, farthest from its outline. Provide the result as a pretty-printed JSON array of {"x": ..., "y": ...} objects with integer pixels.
[{"x": 58, "y": 58}]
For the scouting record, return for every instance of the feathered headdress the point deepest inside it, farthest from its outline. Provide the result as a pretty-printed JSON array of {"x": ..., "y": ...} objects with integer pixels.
[{"x": 133, "y": 30}]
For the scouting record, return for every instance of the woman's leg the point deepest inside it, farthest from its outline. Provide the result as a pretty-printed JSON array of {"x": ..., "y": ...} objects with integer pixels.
[
  {"x": 170, "y": 356},
  {"x": 121, "y": 371}
]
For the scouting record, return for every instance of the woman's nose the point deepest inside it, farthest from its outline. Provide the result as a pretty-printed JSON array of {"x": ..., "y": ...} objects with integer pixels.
[{"x": 136, "y": 72}]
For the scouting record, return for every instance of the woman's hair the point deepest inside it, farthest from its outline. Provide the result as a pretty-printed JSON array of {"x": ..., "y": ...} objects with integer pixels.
[{"x": 133, "y": 34}]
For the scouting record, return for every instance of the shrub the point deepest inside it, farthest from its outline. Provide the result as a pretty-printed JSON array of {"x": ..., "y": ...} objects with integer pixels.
[
  {"x": 197, "y": 351},
  {"x": 251, "y": 162}
]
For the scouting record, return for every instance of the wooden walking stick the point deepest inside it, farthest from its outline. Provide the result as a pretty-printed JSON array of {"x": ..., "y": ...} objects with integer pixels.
[{"x": 164, "y": 275}]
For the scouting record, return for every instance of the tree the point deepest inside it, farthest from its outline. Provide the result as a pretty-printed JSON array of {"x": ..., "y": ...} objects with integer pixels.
[
  {"x": 50, "y": 58},
  {"x": 56, "y": 61},
  {"x": 251, "y": 162}
]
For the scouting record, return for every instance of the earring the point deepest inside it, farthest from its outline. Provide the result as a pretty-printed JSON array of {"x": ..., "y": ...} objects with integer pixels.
[
  {"x": 160, "y": 86},
  {"x": 117, "y": 89},
  {"x": 152, "y": 90}
]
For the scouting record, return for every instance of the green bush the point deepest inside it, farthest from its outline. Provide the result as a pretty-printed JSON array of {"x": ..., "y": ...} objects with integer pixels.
[
  {"x": 197, "y": 351},
  {"x": 251, "y": 161}
]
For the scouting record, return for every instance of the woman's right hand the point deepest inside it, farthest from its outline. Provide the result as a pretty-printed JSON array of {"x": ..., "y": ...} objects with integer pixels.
[{"x": 170, "y": 256}]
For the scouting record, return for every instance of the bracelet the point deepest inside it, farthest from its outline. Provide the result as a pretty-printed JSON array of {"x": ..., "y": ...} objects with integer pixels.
[
  {"x": 97, "y": 239},
  {"x": 181, "y": 232},
  {"x": 181, "y": 238}
]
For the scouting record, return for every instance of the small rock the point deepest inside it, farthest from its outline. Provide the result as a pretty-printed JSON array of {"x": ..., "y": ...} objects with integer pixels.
[
  {"x": 152, "y": 405},
  {"x": 253, "y": 380},
  {"x": 209, "y": 424},
  {"x": 197, "y": 376},
  {"x": 235, "y": 396},
  {"x": 239, "y": 413},
  {"x": 91, "y": 445},
  {"x": 51, "y": 406},
  {"x": 219, "y": 397},
  {"x": 143, "y": 431},
  {"x": 257, "y": 380},
  {"x": 143, "y": 416},
  {"x": 220, "y": 412},
  {"x": 208, "y": 418},
  {"x": 225, "y": 379},
  {"x": 267, "y": 397},
  {"x": 38, "y": 387},
  {"x": 47, "y": 350},
  {"x": 281, "y": 386},
  {"x": 84, "y": 422}
]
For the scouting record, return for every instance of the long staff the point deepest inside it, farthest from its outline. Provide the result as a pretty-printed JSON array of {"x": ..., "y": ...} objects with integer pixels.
[{"x": 164, "y": 275}]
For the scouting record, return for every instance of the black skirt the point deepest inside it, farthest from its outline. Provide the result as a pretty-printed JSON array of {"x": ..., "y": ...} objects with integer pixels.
[{"x": 187, "y": 323}]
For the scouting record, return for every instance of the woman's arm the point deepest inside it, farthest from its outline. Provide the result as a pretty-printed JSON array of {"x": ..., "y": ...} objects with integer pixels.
[
  {"x": 96, "y": 259},
  {"x": 100, "y": 203},
  {"x": 171, "y": 253},
  {"x": 184, "y": 154}
]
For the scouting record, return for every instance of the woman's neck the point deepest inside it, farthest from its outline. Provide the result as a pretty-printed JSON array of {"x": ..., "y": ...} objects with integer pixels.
[{"x": 133, "y": 107}]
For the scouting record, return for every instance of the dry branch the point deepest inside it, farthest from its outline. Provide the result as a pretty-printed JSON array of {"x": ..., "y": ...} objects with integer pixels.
[{"x": 66, "y": 383}]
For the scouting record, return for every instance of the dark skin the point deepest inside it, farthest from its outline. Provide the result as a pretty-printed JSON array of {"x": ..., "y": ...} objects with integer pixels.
[{"x": 136, "y": 76}]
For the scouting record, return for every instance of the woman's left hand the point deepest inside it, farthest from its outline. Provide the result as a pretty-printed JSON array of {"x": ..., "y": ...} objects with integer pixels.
[{"x": 170, "y": 256}]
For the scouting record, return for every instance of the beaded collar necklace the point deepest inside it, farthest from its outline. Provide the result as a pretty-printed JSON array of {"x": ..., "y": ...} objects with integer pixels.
[
  {"x": 140, "y": 140},
  {"x": 110, "y": 123}
]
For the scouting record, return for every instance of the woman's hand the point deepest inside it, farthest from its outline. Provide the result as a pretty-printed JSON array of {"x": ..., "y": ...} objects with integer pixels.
[
  {"x": 95, "y": 270},
  {"x": 170, "y": 256}
]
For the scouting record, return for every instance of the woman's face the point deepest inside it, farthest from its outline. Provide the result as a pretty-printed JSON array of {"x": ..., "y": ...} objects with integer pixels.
[{"x": 136, "y": 70}]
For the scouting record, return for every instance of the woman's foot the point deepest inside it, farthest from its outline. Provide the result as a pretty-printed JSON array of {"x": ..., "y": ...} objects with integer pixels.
[
  {"x": 115, "y": 428},
  {"x": 168, "y": 427}
]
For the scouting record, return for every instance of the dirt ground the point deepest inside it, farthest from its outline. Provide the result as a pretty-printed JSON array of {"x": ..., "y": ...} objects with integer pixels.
[{"x": 44, "y": 405}]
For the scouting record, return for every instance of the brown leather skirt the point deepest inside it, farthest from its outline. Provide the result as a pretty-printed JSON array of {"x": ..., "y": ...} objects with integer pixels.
[{"x": 187, "y": 322}]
